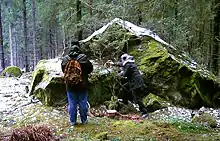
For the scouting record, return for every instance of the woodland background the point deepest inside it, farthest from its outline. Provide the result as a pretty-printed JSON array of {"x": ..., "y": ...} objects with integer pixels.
[{"x": 31, "y": 30}]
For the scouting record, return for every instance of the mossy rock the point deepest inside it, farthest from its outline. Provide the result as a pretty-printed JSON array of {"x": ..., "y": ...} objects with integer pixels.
[
  {"x": 205, "y": 119},
  {"x": 168, "y": 72},
  {"x": 48, "y": 84},
  {"x": 102, "y": 87},
  {"x": 175, "y": 76},
  {"x": 126, "y": 108},
  {"x": 153, "y": 102},
  {"x": 12, "y": 71}
]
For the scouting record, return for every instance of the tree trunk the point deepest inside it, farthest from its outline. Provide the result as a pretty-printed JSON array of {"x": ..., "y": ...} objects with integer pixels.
[
  {"x": 52, "y": 51},
  {"x": 16, "y": 51},
  {"x": 176, "y": 21},
  {"x": 79, "y": 17},
  {"x": 90, "y": 7},
  {"x": 216, "y": 38},
  {"x": 209, "y": 53},
  {"x": 11, "y": 44},
  {"x": 25, "y": 36},
  {"x": 40, "y": 53},
  {"x": 33, "y": 9},
  {"x": 56, "y": 42},
  {"x": 2, "y": 58},
  {"x": 140, "y": 19}
]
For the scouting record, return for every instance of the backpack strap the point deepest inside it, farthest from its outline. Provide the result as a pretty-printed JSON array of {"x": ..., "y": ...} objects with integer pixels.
[
  {"x": 79, "y": 56},
  {"x": 68, "y": 58}
]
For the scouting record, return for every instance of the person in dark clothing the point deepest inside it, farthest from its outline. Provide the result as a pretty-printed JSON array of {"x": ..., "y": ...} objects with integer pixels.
[
  {"x": 135, "y": 81},
  {"x": 78, "y": 94}
]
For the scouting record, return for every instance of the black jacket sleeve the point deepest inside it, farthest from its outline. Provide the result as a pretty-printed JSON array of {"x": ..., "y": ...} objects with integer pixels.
[
  {"x": 127, "y": 70},
  {"x": 90, "y": 67}
]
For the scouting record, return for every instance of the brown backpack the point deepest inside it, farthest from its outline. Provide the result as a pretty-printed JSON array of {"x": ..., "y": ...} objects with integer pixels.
[{"x": 73, "y": 72}]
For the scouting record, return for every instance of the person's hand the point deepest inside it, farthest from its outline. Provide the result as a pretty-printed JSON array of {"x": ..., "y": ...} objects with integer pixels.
[{"x": 109, "y": 63}]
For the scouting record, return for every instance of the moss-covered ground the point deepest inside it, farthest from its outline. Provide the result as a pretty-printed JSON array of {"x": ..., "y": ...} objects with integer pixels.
[{"x": 103, "y": 128}]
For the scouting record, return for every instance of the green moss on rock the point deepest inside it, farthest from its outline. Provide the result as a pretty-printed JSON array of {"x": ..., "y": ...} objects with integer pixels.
[
  {"x": 205, "y": 119},
  {"x": 47, "y": 83},
  {"x": 153, "y": 102},
  {"x": 101, "y": 88},
  {"x": 12, "y": 71},
  {"x": 168, "y": 72},
  {"x": 173, "y": 78}
]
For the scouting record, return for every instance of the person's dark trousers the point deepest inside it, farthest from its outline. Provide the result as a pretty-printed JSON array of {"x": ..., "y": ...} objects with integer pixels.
[
  {"x": 77, "y": 98},
  {"x": 126, "y": 94},
  {"x": 138, "y": 100}
]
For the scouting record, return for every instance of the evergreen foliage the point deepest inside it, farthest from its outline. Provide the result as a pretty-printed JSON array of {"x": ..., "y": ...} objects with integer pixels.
[{"x": 191, "y": 26}]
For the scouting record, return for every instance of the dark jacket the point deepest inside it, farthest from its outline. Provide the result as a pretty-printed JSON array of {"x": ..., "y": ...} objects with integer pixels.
[
  {"x": 133, "y": 75},
  {"x": 86, "y": 66}
]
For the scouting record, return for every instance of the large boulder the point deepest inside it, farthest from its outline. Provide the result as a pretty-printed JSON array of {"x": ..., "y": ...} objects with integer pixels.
[
  {"x": 168, "y": 72},
  {"x": 48, "y": 84},
  {"x": 12, "y": 71},
  {"x": 175, "y": 76}
]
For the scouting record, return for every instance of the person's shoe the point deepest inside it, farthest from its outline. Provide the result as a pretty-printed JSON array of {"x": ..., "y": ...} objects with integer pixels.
[
  {"x": 73, "y": 123},
  {"x": 71, "y": 128},
  {"x": 144, "y": 116},
  {"x": 85, "y": 122}
]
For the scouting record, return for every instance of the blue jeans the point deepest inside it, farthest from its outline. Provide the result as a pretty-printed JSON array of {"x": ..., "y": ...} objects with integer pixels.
[{"x": 77, "y": 98}]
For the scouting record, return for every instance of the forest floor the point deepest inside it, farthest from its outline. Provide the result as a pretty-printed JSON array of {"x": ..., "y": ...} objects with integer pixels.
[
  {"x": 105, "y": 128},
  {"x": 17, "y": 112}
]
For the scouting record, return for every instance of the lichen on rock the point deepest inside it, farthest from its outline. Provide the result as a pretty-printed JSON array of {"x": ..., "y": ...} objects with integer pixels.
[{"x": 12, "y": 71}]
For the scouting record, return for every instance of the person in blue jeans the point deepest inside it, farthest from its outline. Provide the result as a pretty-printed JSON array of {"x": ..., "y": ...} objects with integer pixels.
[{"x": 78, "y": 94}]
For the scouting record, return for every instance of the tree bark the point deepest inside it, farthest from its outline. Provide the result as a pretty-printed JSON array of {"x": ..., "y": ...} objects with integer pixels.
[
  {"x": 79, "y": 17},
  {"x": 52, "y": 50},
  {"x": 11, "y": 44},
  {"x": 16, "y": 51},
  {"x": 176, "y": 20},
  {"x": 209, "y": 53},
  {"x": 25, "y": 36},
  {"x": 140, "y": 19},
  {"x": 90, "y": 7},
  {"x": 2, "y": 58},
  {"x": 56, "y": 42},
  {"x": 40, "y": 54},
  {"x": 33, "y": 9},
  {"x": 216, "y": 38}
]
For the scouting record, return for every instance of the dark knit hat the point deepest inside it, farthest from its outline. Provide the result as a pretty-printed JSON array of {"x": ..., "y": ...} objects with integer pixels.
[{"x": 74, "y": 49}]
